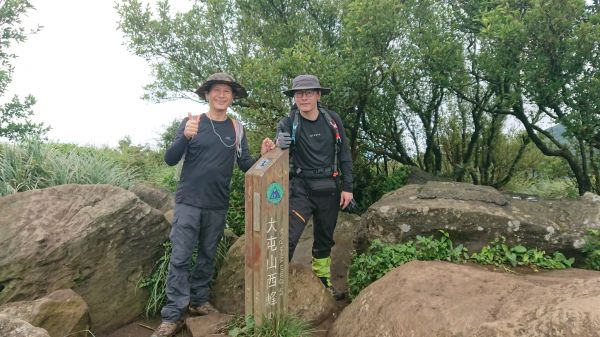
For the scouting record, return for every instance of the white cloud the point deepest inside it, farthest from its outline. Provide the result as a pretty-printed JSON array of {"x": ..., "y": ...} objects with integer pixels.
[{"x": 87, "y": 85}]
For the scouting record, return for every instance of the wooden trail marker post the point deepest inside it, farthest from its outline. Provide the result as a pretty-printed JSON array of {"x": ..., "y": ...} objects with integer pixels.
[{"x": 267, "y": 203}]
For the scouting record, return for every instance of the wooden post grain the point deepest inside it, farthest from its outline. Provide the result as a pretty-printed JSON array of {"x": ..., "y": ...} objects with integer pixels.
[{"x": 267, "y": 203}]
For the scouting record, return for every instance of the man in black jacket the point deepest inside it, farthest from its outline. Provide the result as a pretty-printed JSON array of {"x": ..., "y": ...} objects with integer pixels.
[
  {"x": 319, "y": 157},
  {"x": 209, "y": 145}
]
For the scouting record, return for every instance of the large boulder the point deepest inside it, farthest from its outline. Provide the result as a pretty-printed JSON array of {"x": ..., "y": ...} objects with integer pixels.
[
  {"x": 61, "y": 313},
  {"x": 158, "y": 198},
  {"x": 307, "y": 298},
  {"x": 15, "y": 327},
  {"x": 228, "y": 288},
  {"x": 423, "y": 299},
  {"x": 95, "y": 239},
  {"x": 341, "y": 253},
  {"x": 476, "y": 215}
]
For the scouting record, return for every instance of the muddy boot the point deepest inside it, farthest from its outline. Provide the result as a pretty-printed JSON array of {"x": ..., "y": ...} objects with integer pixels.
[
  {"x": 337, "y": 295},
  {"x": 202, "y": 310},
  {"x": 322, "y": 269},
  {"x": 168, "y": 329}
]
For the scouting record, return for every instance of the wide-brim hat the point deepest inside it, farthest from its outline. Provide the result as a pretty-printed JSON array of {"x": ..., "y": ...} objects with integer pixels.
[
  {"x": 304, "y": 82},
  {"x": 221, "y": 78}
]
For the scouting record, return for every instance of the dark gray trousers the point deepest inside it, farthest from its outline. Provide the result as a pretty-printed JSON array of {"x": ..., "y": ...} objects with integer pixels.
[{"x": 192, "y": 227}]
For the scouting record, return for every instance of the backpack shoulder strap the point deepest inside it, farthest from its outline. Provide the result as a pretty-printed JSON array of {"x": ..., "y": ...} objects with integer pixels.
[
  {"x": 295, "y": 123},
  {"x": 337, "y": 138},
  {"x": 238, "y": 128},
  {"x": 332, "y": 124}
]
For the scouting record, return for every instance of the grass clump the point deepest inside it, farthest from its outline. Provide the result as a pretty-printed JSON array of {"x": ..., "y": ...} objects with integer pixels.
[
  {"x": 33, "y": 165},
  {"x": 156, "y": 282},
  {"x": 285, "y": 326}
]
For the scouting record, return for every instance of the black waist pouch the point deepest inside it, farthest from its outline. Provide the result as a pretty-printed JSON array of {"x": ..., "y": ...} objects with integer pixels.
[{"x": 326, "y": 186}]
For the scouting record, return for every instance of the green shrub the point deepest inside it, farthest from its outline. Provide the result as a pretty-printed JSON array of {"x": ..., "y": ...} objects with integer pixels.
[
  {"x": 592, "y": 249},
  {"x": 381, "y": 258},
  {"x": 286, "y": 326},
  {"x": 378, "y": 261},
  {"x": 548, "y": 188},
  {"x": 147, "y": 163},
  {"x": 498, "y": 253},
  {"x": 370, "y": 186},
  {"x": 164, "y": 176},
  {"x": 441, "y": 249},
  {"x": 547, "y": 177}
]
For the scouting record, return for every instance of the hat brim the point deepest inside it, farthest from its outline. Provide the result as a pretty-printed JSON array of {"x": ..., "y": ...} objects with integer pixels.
[
  {"x": 290, "y": 93},
  {"x": 238, "y": 90}
]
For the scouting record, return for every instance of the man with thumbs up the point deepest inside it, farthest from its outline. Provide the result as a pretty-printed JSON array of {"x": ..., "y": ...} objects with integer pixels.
[
  {"x": 191, "y": 126},
  {"x": 209, "y": 145}
]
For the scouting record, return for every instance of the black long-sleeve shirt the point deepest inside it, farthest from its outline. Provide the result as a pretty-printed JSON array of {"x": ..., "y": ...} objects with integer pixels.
[
  {"x": 208, "y": 165},
  {"x": 315, "y": 145}
]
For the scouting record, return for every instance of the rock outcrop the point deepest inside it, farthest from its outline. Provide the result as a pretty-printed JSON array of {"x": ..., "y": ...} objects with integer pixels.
[
  {"x": 476, "y": 215},
  {"x": 158, "y": 198},
  {"x": 423, "y": 299},
  {"x": 95, "y": 239},
  {"x": 61, "y": 313},
  {"x": 14, "y": 327}
]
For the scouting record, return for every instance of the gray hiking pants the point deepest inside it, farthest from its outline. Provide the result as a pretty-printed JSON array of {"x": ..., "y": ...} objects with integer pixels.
[{"x": 192, "y": 227}]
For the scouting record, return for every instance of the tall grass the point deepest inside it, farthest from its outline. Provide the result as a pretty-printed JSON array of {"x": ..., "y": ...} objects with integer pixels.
[
  {"x": 284, "y": 326},
  {"x": 32, "y": 165},
  {"x": 556, "y": 188},
  {"x": 156, "y": 282}
]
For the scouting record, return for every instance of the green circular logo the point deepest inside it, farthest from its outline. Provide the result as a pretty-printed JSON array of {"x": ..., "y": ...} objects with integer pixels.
[{"x": 274, "y": 193}]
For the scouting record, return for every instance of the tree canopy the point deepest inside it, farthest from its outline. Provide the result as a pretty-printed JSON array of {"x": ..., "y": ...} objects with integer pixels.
[
  {"x": 15, "y": 113},
  {"x": 430, "y": 83}
]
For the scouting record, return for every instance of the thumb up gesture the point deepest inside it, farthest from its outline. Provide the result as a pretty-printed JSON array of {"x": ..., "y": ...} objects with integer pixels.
[{"x": 191, "y": 126}]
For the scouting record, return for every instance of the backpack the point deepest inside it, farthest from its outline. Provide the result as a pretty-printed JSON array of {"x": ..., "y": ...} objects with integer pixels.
[{"x": 295, "y": 123}]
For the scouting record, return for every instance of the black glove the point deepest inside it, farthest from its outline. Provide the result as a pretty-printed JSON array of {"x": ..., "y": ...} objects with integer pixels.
[
  {"x": 352, "y": 207},
  {"x": 283, "y": 140}
]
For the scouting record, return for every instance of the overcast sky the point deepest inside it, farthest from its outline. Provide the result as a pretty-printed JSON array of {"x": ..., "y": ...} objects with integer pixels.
[{"x": 87, "y": 85}]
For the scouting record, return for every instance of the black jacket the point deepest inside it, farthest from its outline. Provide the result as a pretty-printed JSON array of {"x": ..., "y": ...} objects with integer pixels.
[{"x": 344, "y": 156}]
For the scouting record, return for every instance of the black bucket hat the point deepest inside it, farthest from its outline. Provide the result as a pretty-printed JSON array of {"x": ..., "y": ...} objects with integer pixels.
[
  {"x": 221, "y": 78},
  {"x": 303, "y": 82}
]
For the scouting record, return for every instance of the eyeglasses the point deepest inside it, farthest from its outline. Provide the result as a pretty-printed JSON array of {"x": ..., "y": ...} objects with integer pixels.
[{"x": 308, "y": 93}]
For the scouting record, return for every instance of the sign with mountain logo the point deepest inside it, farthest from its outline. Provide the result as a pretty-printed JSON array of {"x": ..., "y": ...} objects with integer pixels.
[
  {"x": 274, "y": 193},
  {"x": 266, "y": 272}
]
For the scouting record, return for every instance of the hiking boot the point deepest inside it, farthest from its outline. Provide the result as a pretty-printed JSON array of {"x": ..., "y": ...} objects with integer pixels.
[
  {"x": 202, "y": 310},
  {"x": 337, "y": 295},
  {"x": 167, "y": 329}
]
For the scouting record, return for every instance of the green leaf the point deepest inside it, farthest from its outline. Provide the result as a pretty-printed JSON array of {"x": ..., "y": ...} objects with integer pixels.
[{"x": 519, "y": 249}]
